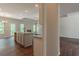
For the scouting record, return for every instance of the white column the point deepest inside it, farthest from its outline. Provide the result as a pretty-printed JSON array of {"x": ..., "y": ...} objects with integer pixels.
[
  {"x": 50, "y": 30},
  {"x": 48, "y": 44}
]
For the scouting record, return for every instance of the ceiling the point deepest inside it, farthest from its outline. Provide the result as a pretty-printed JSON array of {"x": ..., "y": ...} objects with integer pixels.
[
  {"x": 66, "y": 8},
  {"x": 19, "y": 10}
]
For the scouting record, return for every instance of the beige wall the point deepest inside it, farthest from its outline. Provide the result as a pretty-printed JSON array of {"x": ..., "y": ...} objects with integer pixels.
[
  {"x": 51, "y": 35},
  {"x": 48, "y": 45},
  {"x": 38, "y": 42}
]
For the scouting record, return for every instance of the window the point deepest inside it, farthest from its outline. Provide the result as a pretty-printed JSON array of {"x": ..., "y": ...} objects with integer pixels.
[
  {"x": 21, "y": 27},
  {"x": 1, "y": 28},
  {"x": 34, "y": 28},
  {"x": 37, "y": 29},
  {"x": 13, "y": 29}
]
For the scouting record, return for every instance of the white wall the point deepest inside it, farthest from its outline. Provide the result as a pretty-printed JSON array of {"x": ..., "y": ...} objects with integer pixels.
[
  {"x": 27, "y": 22},
  {"x": 69, "y": 26}
]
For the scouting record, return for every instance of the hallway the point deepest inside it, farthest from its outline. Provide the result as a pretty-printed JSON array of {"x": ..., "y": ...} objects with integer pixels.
[{"x": 8, "y": 47}]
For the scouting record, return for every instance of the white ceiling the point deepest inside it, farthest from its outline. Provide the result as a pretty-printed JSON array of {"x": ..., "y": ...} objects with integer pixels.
[
  {"x": 66, "y": 8},
  {"x": 17, "y": 10}
]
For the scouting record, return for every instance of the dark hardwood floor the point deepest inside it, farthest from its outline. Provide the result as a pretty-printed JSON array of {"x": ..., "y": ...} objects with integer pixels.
[
  {"x": 69, "y": 46},
  {"x": 8, "y": 47}
]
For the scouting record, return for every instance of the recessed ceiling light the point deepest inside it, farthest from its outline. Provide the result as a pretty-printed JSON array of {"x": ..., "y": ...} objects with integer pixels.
[
  {"x": 36, "y": 5},
  {"x": 26, "y": 10}
]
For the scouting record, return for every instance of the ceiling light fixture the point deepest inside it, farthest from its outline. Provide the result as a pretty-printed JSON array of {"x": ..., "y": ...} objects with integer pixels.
[
  {"x": 4, "y": 20},
  {"x": 36, "y": 5}
]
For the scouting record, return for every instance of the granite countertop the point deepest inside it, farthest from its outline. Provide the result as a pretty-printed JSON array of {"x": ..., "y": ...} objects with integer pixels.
[{"x": 37, "y": 36}]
